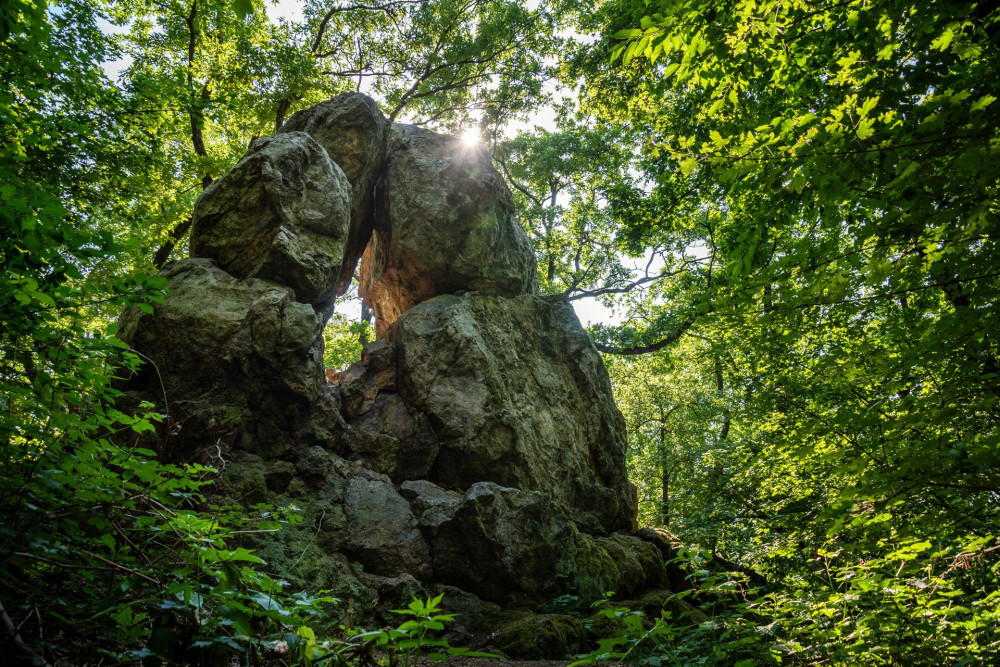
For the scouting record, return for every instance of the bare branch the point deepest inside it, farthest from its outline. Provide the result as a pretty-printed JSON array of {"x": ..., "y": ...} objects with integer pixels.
[{"x": 387, "y": 7}]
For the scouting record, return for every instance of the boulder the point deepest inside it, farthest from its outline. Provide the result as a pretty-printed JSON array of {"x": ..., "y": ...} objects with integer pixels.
[
  {"x": 540, "y": 636},
  {"x": 386, "y": 434},
  {"x": 505, "y": 545},
  {"x": 669, "y": 547},
  {"x": 353, "y": 131},
  {"x": 621, "y": 564},
  {"x": 233, "y": 363},
  {"x": 516, "y": 547},
  {"x": 444, "y": 223},
  {"x": 381, "y": 530},
  {"x": 282, "y": 213},
  {"x": 475, "y": 447},
  {"x": 516, "y": 394},
  {"x": 432, "y": 504}
]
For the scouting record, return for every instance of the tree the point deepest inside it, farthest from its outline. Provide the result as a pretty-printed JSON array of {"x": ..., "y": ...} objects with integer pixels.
[
  {"x": 562, "y": 182},
  {"x": 837, "y": 164}
]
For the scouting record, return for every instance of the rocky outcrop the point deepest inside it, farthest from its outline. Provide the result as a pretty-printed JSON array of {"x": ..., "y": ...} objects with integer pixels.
[
  {"x": 469, "y": 388},
  {"x": 353, "y": 131},
  {"x": 517, "y": 395},
  {"x": 234, "y": 364},
  {"x": 474, "y": 448},
  {"x": 281, "y": 214},
  {"x": 445, "y": 223}
]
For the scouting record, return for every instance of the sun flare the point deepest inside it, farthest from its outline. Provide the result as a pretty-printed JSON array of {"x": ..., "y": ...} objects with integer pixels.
[{"x": 471, "y": 138}]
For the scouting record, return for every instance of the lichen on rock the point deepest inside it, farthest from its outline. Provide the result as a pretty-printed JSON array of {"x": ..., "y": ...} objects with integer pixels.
[
  {"x": 444, "y": 223},
  {"x": 282, "y": 213}
]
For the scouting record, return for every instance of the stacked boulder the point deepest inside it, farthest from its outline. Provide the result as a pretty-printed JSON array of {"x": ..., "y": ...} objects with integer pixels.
[{"x": 475, "y": 448}]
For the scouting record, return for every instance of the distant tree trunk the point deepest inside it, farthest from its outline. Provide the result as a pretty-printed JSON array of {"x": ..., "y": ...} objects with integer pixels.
[
  {"x": 366, "y": 318},
  {"x": 178, "y": 232},
  {"x": 664, "y": 471},
  {"x": 724, "y": 433},
  {"x": 279, "y": 116},
  {"x": 197, "y": 119}
]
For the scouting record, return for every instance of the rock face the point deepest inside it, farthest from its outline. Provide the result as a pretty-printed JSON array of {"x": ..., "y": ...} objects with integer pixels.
[
  {"x": 238, "y": 365},
  {"x": 516, "y": 395},
  {"x": 445, "y": 223},
  {"x": 282, "y": 214},
  {"x": 353, "y": 131},
  {"x": 475, "y": 447}
]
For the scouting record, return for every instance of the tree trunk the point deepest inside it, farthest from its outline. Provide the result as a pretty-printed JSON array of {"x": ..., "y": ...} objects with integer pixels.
[{"x": 664, "y": 473}]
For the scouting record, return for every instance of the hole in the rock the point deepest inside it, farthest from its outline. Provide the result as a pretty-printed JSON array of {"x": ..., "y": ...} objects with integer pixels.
[{"x": 346, "y": 333}]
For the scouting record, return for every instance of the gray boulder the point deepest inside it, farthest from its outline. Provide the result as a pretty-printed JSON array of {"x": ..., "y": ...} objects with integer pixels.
[
  {"x": 353, "y": 131},
  {"x": 505, "y": 545},
  {"x": 281, "y": 213},
  {"x": 381, "y": 530},
  {"x": 517, "y": 395},
  {"x": 513, "y": 547},
  {"x": 232, "y": 363},
  {"x": 444, "y": 223}
]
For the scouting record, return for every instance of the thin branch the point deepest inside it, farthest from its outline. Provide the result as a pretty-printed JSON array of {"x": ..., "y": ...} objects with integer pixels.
[
  {"x": 646, "y": 349},
  {"x": 388, "y": 7},
  {"x": 15, "y": 636},
  {"x": 628, "y": 287},
  {"x": 176, "y": 234}
]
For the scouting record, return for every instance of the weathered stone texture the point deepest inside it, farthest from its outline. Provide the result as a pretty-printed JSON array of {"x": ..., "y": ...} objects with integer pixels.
[
  {"x": 233, "y": 363},
  {"x": 444, "y": 223},
  {"x": 353, "y": 131},
  {"x": 517, "y": 395},
  {"x": 282, "y": 213},
  {"x": 475, "y": 445}
]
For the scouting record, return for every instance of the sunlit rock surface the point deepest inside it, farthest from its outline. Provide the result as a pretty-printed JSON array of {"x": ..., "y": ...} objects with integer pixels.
[
  {"x": 444, "y": 224},
  {"x": 282, "y": 214}
]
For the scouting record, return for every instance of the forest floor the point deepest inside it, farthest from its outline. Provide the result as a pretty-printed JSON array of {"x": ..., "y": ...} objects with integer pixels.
[{"x": 459, "y": 661}]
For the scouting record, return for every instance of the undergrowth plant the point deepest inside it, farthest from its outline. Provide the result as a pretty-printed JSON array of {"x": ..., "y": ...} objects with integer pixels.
[
  {"x": 415, "y": 637},
  {"x": 721, "y": 627}
]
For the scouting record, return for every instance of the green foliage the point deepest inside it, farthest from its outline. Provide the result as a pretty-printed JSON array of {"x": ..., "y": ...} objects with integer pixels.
[
  {"x": 813, "y": 186},
  {"x": 855, "y": 613},
  {"x": 725, "y": 629},
  {"x": 561, "y": 182},
  {"x": 917, "y": 603},
  {"x": 828, "y": 178},
  {"x": 413, "y": 638},
  {"x": 684, "y": 453},
  {"x": 342, "y": 340},
  {"x": 103, "y": 549}
]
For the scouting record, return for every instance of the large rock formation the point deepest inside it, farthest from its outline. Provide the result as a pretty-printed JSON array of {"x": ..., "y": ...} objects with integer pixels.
[
  {"x": 236, "y": 365},
  {"x": 517, "y": 395},
  {"x": 474, "y": 447},
  {"x": 353, "y": 131},
  {"x": 444, "y": 223}
]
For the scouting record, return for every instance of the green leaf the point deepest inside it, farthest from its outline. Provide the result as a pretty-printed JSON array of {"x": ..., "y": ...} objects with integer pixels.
[{"x": 243, "y": 8}]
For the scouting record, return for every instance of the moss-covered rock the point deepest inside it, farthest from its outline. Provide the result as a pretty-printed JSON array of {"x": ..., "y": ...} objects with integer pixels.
[
  {"x": 538, "y": 636},
  {"x": 475, "y": 448},
  {"x": 243, "y": 481},
  {"x": 620, "y": 564}
]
